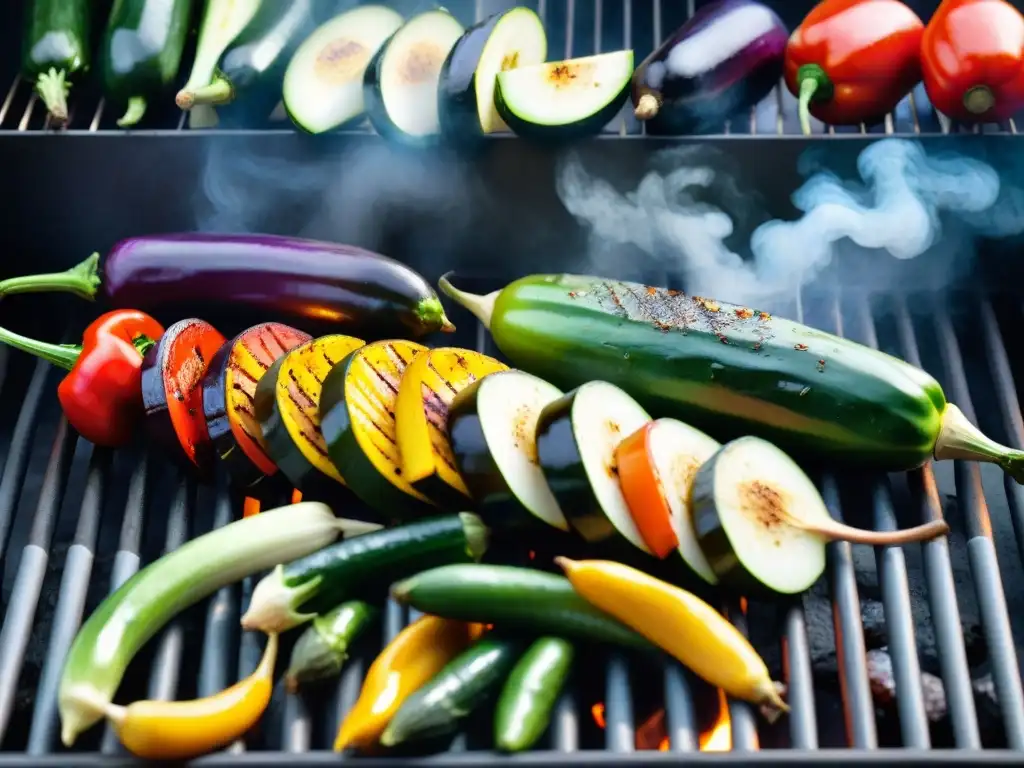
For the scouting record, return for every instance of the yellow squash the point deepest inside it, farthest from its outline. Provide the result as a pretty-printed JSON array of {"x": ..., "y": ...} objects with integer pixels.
[
  {"x": 180, "y": 730},
  {"x": 421, "y": 411},
  {"x": 679, "y": 623},
  {"x": 419, "y": 652},
  {"x": 287, "y": 404},
  {"x": 357, "y": 413}
]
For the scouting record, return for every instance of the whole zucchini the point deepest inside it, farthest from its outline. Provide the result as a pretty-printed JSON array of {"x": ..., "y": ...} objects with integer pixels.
[
  {"x": 56, "y": 45},
  {"x": 142, "y": 50},
  {"x": 732, "y": 370}
]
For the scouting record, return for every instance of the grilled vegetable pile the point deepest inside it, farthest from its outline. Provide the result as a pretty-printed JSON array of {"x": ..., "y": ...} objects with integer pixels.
[{"x": 572, "y": 462}]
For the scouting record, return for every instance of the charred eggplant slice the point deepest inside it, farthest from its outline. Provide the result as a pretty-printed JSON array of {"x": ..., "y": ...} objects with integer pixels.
[
  {"x": 228, "y": 390},
  {"x": 577, "y": 436},
  {"x": 502, "y": 42},
  {"x": 172, "y": 392},
  {"x": 492, "y": 428}
]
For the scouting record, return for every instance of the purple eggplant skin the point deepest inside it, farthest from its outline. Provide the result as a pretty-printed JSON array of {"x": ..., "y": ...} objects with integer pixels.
[
  {"x": 725, "y": 59},
  {"x": 277, "y": 276}
]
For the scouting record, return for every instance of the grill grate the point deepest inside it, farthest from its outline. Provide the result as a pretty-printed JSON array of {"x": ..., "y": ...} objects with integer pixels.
[{"x": 576, "y": 28}]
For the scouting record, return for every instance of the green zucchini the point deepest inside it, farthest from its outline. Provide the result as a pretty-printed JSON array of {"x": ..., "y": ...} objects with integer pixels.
[
  {"x": 514, "y": 598},
  {"x": 222, "y": 22},
  {"x": 141, "y": 51},
  {"x": 367, "y": 565},
  {"x": 321, "y": 650},
  {"x": 465, "y": 683},
  {"x": 254, "y": 63},
  {"x": 530, "y": 693},
  {"x": 731, "y": 371},
  {"x": 56, "y": 46},
  {"x": 122, "y": 623}
]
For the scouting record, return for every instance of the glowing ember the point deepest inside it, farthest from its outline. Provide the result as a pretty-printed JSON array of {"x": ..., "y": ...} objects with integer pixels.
[
  {"x": 250, "y": 507},
  {"x": 651, "y": 734},
  {"x": 296, "y": 496}
]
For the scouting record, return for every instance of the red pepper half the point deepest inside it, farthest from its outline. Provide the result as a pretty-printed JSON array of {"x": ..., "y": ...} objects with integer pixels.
[
  {"x": 851, "y": 61},
  {"x": 972, "y": 60},
  {"x": 102, "y": 394}
]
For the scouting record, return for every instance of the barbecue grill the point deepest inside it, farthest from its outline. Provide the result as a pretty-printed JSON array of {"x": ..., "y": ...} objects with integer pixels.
[{"x": 900, "y": 652}]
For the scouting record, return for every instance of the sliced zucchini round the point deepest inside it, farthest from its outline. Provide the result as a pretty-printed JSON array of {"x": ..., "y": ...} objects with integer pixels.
[
  {"x": 492, "y": 425},
  {"x": 564, "y": 100},
  {"x": 323, "y": 84},
  {"x": 287, "y": 405},
  {"x": 576, "y": 440},
  {"x": 741, "y": 499},
  {"x": 400, "y": 84},
  {"x": 428, "y": 385},
  {"x": 504, "y": 41},
  {"x": 357, "y": 416}
]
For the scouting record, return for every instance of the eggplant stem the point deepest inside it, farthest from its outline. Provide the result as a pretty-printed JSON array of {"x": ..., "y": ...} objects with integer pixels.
[
  {"x": 82, "y": 280},
  {"x": 134, "y": 112},
  {"x": 841, "y": 532},
  {"x": 482, "y": 307},
  {"x": 960, "y": 439},
  {"x": 218, "y": 91},
  {"x": 53, "y": 89}
]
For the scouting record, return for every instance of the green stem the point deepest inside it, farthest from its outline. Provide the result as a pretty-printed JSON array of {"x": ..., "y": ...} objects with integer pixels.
[
  {"x": 82, "y": 280},
  {"x": 143, "y": 344},
  {"x": 62, "y": 355},
  {"x": 218, "y": 91},
  {"x": 136, "y": 109},
  {"x": 815, "y": 85},
  {"x": 53, "y": 89},
  {"x": 960, "y": 439},
  {"x": 482, "y": 307}
]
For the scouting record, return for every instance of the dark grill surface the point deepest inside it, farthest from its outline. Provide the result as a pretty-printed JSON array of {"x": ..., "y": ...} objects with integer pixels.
[{"x": 76, "y": 522}]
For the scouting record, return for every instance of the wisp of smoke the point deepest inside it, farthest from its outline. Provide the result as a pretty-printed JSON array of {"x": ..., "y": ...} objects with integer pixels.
[{"x": 905, "y": 203}]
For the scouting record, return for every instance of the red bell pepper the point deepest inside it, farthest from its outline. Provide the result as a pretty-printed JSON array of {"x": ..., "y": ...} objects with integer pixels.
[
  {"x": 102, "y": 394},
  {"x": 851, "y": 61},
  {"x": 972, "y": 60}
]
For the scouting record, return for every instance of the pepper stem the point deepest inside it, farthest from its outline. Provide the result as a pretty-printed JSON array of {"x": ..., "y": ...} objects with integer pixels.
[
  {"x": 62, "y": 355},
  {"x": 815, "y": 85},
  {"x": 274, "y": 604},
  {"x": 82, "y": 280},
  {"x": 53, "y": 89},
  {"x": 836, "y": 531},
  {"x": 647, "y": 106},
  {"x": 218, "y": 91},
  {"x": 142, "y": 344},
  {"x": 979, "y": 100},
  {"x": 482, "y": 307},
  {"x": 136, "y": 109},
  {"x": 959, "y": 439}
]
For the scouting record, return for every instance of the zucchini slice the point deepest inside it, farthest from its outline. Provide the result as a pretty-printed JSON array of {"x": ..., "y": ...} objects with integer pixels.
[
  {"x": 657, "y": 464},
  {"x": 504, "y": 41},
  {"x": 577, "y": 436},
  {"x": 742, "y": 500},
  {"x": 564, "y": 100},
  {"x": 323, "y": 84},
  {"x": 228, "y": 390},
  {"x": 357, "y": 413},
  {"x": 492, "y": 426},
  {"x": 400, "y": 84},
  {"x": 287, "y": 406},
  {"x": 421, "y": 414}
]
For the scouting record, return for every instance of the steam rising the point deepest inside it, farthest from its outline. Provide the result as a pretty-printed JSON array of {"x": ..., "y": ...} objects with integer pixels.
[{"x": 907, "y": 203}]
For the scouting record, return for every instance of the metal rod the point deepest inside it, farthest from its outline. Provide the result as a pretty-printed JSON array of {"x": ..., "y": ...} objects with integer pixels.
[
  {"x": 619, "y": 730},
  {"x": 741, "y": 714},
  {"x": 221, "y": 621},
  {"x": 680, "y": 719}
]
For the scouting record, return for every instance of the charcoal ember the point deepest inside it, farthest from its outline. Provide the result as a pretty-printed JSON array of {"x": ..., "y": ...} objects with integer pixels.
[{"x": 883, "y": 686}]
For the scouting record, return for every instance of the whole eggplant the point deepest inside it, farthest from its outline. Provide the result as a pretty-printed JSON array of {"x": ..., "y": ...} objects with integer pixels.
[
  {"x": 726, "y": 58},
  {"x": 279, "y": 277}
]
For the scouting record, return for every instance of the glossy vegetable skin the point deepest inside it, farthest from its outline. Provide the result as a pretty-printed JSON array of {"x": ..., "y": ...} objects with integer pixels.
[
  {"x": 123, "y": 622},
  {"x": 100, "y": 396},
  {"x": 972, "y": 60},
  {"x": 681, "y": 624},
  {"x": 281, "y": 277},
  {"x": 229, "y": 387},
  {"x": 513, "y": 598},
  {"x": 851, "y": 62},
  {"x": 321, "y": 650},
  {"x": 141, "y": 52},
  {"x": 530, "y": 694},
  {"x": 56, "y": 45},
  {"x": 840, "y": 400},
  {"x": 361, "y": 567},
  {"x": 455, "y": 692},
  {"x": 725, "y": 59},
  {"x": 417, "y": 653},
  {"x": 180, "y": 730},
  {"x": 172, "y": 393}
]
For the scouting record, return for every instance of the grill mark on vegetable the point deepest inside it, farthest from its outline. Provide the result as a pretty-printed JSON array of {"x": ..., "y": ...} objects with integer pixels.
[
  {"x": 272, "y": 332},
  {"x": 246, "y": 345},
  {"x": 327, "y": 358},
  {"x": 462, "y": 363},
  {"x": 383, "y": 378},
  {"x": 240, "y": 370},
  {"x": 310, "y": 402},
  {"x": 314, "y": 441},
  {"x": 261, "y": 340},
  {"x": 434, "y": 407},
  {"x": 393, "y": 352},
  {"x": 308, "y": 365},
  {"x": 443, "y": 450}
]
